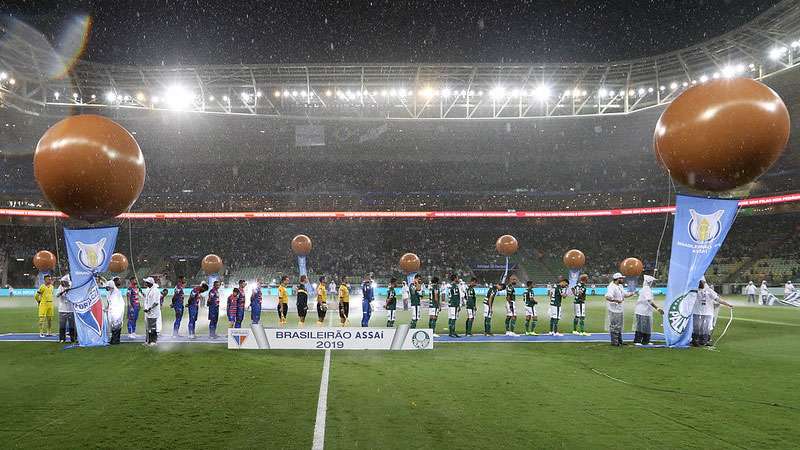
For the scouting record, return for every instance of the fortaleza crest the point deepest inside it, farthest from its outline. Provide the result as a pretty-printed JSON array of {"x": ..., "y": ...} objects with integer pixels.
[
  {"x": 680, "y": 311},
  {"x": 240, "y": 339},
  {"x": 92, "y": 256},
  {"x": 704, "y": 228}
]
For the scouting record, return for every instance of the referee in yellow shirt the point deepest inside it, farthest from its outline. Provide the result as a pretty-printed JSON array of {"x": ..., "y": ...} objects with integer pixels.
[
  {"x": 283, "y": 300},
  {"x": 344, "y": 302},
  {"x": 44, "y": 297}
]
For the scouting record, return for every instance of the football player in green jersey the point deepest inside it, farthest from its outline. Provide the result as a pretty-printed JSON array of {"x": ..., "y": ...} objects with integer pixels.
[
  {"x": 435, "y": 305},
  {"x": 415, "y": 292},
  {"x": 579, "y": 291},
  {"x": 511, "y": 308},
  {"x": 560, "y": 291},
  {"x": 471, "y": 304},
  {"x": 530, "y": 310},
  {"x": 488, "y": 304},
  {"x": 453, "y": 303},
  {"x": 391, "y": 302}
]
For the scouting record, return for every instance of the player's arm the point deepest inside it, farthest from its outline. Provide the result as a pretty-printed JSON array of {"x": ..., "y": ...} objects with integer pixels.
[
  {"x": 38, "y": 295},
  {"x": 656, "y": 307}
]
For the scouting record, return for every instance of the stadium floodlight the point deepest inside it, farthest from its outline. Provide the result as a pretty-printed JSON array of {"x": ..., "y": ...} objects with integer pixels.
[
  {"x": 471, "y": 93},
  {"x": 777, "y": 53},
  {"x": 259, "y": 94},
  {"x": 576, "y": 92},
  {"x": 140, "y": 96},
  {"x": 155, "y": 99},
  {"x": 497, "y": 92},
  {"x": 650, "y": 90},
  {"x": 567, "y": 93},
  {"x": 285, "y": 93},
  {"x": 427, "y": 92},
  {"x": 631, "y": 93},
  {"x": 480, "y": 93},
  {"x": 383, "y": 92},
  {"x": 74, "y": 95},
  {"x": 406, "y": 93},
  {"x": 56, "y": 94},
  {"x": 277, "y": 94},
  {"x": 303, "y": 94},
  {"x": 715, "y": 75},
  {"x": 294, "y": 93},
  {"x": 641, "y": 92},
  {"x": 178, "y": 97},
  {"x": 602, "y": 92},
  {"x": 673, "y": 85},
  {"x": 393, "y": 92},
  {"x": 211, "y": 98},
  {"x": 225, "y": 98},
  {"x": 12, "y": 81},
  {"x": 795, "y": 44},
  {"x": 3, "y": 76},
  {"x": 515, "y": 92},
  {"x": 328, "y": 93},
  {"x": 728, "y": 71},
  {"x": 541, "y": 92},
  {"x": 703, "y": 78},
  {"x": 111, "y": 97},
  {"x": 685, "y": 84},
  {"x": 94, "y": 96},
  {"x": 662, "y": 88},
  {"x": 445, "y": 93},
  {"x": 462, "y": 93},
  {"x": 611, "y": 93}
]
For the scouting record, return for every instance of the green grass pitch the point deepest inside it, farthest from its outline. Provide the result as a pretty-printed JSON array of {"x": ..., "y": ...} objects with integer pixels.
[{"x": 554, "y": 395}]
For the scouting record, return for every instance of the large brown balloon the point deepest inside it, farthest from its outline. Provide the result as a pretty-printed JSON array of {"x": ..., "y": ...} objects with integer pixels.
[
  {"x": 721, "y": 135},
  {"x": 574, "y": 259},
  {"x": 89, "y": 167},
  {"x": 631, "y": 267},
  {"x": 211, "y": 264},
  {"x": 506, "y": 245},
  {"x": 44, "y": 260},
  {"x": 301, "y": 245},
  {"x": 409, "y": 262},
  {"x": 118, "y": 263}
]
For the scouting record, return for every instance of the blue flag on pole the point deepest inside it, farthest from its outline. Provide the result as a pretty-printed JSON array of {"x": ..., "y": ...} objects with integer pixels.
[
  {"x": 89, "y": 251},
  {"x": 701, "y": 225}
]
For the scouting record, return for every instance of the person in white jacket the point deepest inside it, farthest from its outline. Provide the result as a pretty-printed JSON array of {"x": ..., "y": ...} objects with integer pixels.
[
  {"x": 750, "y": 292},
  {"x": 152, "y": 310},
  {"x": 644, "y": 312},
  {"x": 788, "y": 288},
  {"x": 116, "y": 308},
  {"x": 615, "y": 295},
  {"x": 703, "y": 313},
  {"x": 764, "y": 291},
  {"x": 66, "y": 314}
]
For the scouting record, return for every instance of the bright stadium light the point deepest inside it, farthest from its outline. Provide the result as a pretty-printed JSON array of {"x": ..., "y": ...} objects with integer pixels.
[
  {"x": 155, "y": 99},
  {"x": 703, "y": 78},
  {"x": 480, "y": 93},
  {"x": 94, "y": 96},
  {"x": 541, "y": 92},
  {"x": 641, "y": 92},
  {"x": 515, "y": 92},
  {"x": 225, "y": 98},
  {"x": 673, "y": 85},
  {"x": 650, "y": 90},
  {"x": 383, "y": 93},
  {"x": 111, "y": 97},
  {"x": 715, "y": 75},
  {"x": 12, "y": 81},
  {"x": 211, "y": 98},
  {"x": 277, "y": 94},
  {"x": 140, "y": 96},
  {"x": 728, "y": 72},
  {"x": 567, "y": 93},
  {"x": 445, "y": 93},
  {"x": 497, "y": 93},
  {"x": 427, "y": 92},
  {"x": 576, "y": 92},
  {"x": 303, "y": 94},
  {"x": 294, "y": 93},
  {"x": 328, "y": 93},
  {"x": 74, "y": 95},
  {"x": 631, "y": 93},
  {"x": 685, "y": 84},
  {"x": 3, "y": 76},
  {"x": 56, "y": 94},
  {"x": 178, "y": 97},
  {"x": 611, "y": 93},
  {"x": 285, "y": 93},
  {"x": 796, "y": 44},
  {"x": 259, "y": 94},
  {"x": 777, "y": 53},
  {"x": 602, "y": 92},
  {"x": 393, "y": 92},
  {"x": 662, "y": 88}
]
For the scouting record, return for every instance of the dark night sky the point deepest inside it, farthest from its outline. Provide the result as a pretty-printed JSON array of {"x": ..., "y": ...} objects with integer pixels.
[{"x": 231, "y": 31}]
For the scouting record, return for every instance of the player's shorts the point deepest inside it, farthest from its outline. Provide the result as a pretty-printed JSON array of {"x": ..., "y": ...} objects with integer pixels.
[
  {"x": 452, "y": 312},
  {"x": 487, "y": 311},
  {"x": 414, "y": 312},
  {"x": 302, "y": 309},
  {"x": 555, "y": 312},
  {"x": 511, "y": 309},
  {"x": 580, "y": 309},
  {"x": 46, "y": 309},
  {"x": 530, "y": 310},
  {"x": 470, "y": 313},
  {"x": 433, "y": 311},
  {"x": 390, "y": 314}
]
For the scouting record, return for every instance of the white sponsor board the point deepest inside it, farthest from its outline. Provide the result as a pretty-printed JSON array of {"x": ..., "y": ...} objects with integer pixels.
[{"x": 324, "y": 338}]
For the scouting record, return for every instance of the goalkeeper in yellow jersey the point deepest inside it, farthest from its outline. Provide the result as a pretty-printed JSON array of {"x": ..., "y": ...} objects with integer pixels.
[
  {"x": 44, "y": 298},
  {"x": 344, "y": 302}
]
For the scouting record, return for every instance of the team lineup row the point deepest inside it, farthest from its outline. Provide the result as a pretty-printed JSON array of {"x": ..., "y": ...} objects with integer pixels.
[{"x": 456, "y": 296}]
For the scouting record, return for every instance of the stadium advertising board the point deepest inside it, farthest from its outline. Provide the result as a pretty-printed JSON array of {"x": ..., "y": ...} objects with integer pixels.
[{"x": 330, "y": 338}]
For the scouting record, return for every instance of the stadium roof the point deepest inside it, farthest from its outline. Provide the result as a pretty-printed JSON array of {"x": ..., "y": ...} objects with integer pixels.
[{"x": 768, "y": 44}]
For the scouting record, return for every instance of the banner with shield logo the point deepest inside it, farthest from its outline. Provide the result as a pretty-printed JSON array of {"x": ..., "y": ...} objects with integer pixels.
[
  {"x": 701, "y": 225},
  {"x": 89, "y": 251}
]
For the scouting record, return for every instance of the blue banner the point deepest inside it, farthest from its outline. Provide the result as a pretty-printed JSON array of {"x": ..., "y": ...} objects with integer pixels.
[
  {"x": 89, "y": 251},
  {"x": 701, "y": 225},
  {"x": 574, "y": 274}
]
